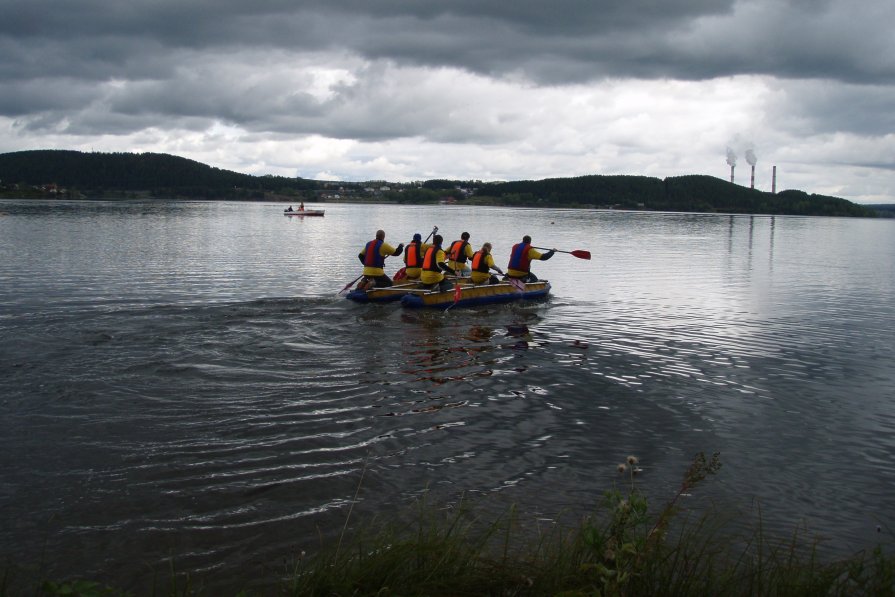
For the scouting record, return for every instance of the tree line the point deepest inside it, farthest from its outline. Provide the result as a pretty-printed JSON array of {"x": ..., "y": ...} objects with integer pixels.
[
  {"x": 163, "y": 175},
  {"x": 160, "y": 174},
  {"x": 691, "y": 193}
]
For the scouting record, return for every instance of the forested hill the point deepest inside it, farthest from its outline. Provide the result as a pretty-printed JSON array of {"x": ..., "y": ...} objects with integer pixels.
[
  {"x": 75, "y": 174},
  {"x": 159, "y": 173},
  {"x": 693, "y": 193}
]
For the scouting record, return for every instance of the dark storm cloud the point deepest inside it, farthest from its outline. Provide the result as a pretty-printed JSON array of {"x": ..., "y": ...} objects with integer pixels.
[
  {"x": 201, "y": 20},
  {"x": 547, "y": 42},
  {"x": 511, "y": 82},
  {"x": 164, "y": 50},
  {"x": 811, "y": 107}
]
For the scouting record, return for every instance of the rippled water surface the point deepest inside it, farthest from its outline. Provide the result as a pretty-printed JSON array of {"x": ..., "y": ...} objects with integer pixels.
[{"x": 183, "y": 378}]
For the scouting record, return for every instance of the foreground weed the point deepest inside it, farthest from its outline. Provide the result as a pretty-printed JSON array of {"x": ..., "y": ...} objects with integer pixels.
[
  {"x": 624, "y": 548},
  {"x": 79, "y": 588}
]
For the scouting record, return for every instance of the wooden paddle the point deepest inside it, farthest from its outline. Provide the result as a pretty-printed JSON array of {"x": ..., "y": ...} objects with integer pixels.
[
  {"x": 577, "y": 253},
  {"x": 347, "y": 286}
]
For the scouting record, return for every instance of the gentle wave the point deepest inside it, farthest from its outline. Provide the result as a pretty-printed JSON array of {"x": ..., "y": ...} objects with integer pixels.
[{"x": 186, "y": 380}]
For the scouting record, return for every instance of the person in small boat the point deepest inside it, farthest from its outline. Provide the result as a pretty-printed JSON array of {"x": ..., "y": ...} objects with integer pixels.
[
  {"x": 301, "y": 206},
  {"x": 290, "y": 208},
  {"x": 459, "y": 253},
  {"x": 373, "y": 257},
  {"x": 521, "y": 257},
  {"x": 482, "y": 264},
  {"x": 435, "y": 266},
  {"x": 413, "y": 257}
]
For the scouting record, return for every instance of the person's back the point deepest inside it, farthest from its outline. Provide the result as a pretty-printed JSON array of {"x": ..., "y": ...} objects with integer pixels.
[
  {"x": 459, "y": 253},
  {"x": 482, "y": 264},
  {"x": 413, "y": 257},
  {"x": 373, "y": 257},
  {"x": 433, "y": 263},
  {"x": 521, "y": 257}
]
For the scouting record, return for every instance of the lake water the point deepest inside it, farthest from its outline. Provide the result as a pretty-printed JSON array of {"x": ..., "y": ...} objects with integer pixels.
[{"x": 182, "y": 379}]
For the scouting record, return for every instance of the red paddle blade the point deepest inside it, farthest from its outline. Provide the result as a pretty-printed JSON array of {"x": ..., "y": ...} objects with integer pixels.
[{"x": 581, "y": 254}]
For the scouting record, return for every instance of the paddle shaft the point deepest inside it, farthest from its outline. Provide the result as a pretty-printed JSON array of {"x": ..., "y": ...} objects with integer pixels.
[
  {"x": 577, "y": 253},
  {"x": 347, "y": 286}
]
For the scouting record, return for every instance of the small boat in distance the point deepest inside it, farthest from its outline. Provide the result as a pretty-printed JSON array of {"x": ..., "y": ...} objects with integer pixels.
[{"x": 303, "y": 212}]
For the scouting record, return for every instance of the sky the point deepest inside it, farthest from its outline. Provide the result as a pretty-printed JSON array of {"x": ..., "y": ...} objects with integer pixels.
[{"x": 406, "y": 90}]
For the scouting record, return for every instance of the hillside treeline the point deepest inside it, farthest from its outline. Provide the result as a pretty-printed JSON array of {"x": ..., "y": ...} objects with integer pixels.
[
  {"x": 161, "y": 175},
  {"x": 681, "y": 193}
]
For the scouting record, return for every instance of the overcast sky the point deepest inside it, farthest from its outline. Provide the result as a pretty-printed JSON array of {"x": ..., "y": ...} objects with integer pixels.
[{"x": 403, "y": 90}]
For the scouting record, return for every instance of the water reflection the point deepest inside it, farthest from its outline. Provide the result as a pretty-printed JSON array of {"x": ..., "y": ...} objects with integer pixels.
[
  {"x": 771, "y": 245},
  {"x": 522, "y": 335},
  {"x": 204, "y": 366},
  {"x": 450, "y": 355}
]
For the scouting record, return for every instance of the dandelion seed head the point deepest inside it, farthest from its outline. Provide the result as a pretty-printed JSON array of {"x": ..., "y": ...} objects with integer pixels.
[
  {"x": 632, "y": 460},
  {"x": 622, "y": 467}
]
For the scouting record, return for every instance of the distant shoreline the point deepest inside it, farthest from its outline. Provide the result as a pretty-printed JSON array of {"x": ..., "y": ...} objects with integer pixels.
[
  {"x": 66, "y": 175},
  {"x": 882, "y": 211}
]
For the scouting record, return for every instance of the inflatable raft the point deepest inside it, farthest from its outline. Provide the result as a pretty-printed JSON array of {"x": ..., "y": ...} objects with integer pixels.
[
  {"x": 468, "y": 295},
  {"x": 385, "y": 295}
]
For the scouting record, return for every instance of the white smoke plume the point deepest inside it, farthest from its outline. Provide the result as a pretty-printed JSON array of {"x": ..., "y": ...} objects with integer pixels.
[
  {"x": 750, "y": 157},
  {"x": 731, "y": 157}
]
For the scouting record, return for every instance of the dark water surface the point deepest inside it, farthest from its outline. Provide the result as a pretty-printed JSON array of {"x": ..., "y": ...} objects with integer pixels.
[{"x": 183, "y": 379}]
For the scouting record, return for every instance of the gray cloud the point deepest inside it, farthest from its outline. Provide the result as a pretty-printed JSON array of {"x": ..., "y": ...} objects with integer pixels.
[
  {"x": 562, "y": 43},
  {"x": 820, "y": 107},
  {"x": 518, "y": 78}
]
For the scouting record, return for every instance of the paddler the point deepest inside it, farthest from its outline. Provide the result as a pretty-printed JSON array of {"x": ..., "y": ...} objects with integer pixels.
[
  {"x": 373, "y": 257},
  {"x": 521, "y": 257},
  {"x": 459, "y": 253},
  {"x": 413, "y": 257},
  {"x": 482, "y": 264},
  {"x": 434, "y": 266}
]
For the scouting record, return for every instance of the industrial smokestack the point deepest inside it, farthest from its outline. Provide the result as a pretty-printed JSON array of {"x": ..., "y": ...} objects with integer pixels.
[
  {"x": 732, "y": 160},
  {"x": 750, "y": 157},
  {"x": 774, "y": 181}
]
